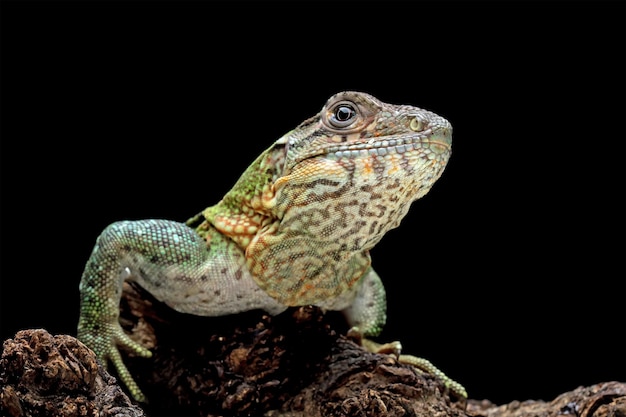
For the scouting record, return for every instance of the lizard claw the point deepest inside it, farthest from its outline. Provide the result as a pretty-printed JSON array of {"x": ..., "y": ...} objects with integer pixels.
[
  {"x": 104, "y": 339},
  {"x": 391, "y": 348},
  {"x": 427, "y": 367},
  {"x": 421, "y": 364}
]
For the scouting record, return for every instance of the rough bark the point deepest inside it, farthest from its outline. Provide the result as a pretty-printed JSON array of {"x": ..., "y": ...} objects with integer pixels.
[
  {"x": 45, "y": 375},
  {"x": 294, "y": 365}
]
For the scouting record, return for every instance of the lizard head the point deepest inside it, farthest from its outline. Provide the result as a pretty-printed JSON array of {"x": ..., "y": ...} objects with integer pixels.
[
  {"x": 355, "y": 125},
  {"x": 364, "y": 158}
]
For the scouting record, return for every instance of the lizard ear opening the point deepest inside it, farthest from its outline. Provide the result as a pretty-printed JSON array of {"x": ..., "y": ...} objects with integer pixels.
[{"x": 283, "y": 140}]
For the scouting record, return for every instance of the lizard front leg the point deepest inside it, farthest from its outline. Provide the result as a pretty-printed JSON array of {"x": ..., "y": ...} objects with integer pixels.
[
  {"x": 367, "y": 316},
  {"x": 170, "y": 260}
]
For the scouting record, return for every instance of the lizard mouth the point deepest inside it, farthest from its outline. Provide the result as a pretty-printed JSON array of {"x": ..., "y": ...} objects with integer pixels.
[
  {"x": 422, "y": 146},
  {"x": 425, "y": 145}
]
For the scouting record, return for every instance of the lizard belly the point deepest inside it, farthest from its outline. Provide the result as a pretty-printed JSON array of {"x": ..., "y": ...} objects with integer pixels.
[{"x": 216, "y": 288}]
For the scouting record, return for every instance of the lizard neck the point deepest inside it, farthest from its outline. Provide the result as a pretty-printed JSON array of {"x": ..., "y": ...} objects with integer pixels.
[{"x": 245, "y": 209}]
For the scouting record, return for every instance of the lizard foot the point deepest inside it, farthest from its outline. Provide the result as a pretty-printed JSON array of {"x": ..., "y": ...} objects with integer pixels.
[
  {"x": 104, "y": 338},
  {"x": 394, "y": 348}
]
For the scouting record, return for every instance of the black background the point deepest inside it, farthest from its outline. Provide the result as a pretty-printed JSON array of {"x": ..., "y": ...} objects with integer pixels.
[{"x": 509, "y": 274}]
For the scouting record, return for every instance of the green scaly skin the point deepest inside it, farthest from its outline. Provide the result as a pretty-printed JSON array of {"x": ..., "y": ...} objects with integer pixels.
[{"x": 296, "y": 229}]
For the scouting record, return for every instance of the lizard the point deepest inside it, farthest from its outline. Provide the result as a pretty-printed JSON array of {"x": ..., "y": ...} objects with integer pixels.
[{"x": 296, "y": 229}]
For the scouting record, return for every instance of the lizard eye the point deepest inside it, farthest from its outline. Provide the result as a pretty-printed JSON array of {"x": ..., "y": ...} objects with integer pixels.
[{"x": 343, "y": 115}]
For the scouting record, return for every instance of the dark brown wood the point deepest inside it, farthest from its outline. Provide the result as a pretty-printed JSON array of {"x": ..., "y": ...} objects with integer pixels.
[{"x": 295, "y": 364}]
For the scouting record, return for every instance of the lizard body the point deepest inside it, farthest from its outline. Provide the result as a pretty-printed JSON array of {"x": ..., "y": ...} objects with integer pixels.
[{"x": 295, "y": 229}]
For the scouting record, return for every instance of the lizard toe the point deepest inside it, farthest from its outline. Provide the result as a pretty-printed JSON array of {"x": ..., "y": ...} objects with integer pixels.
[{"x": 427, "y": 367}]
